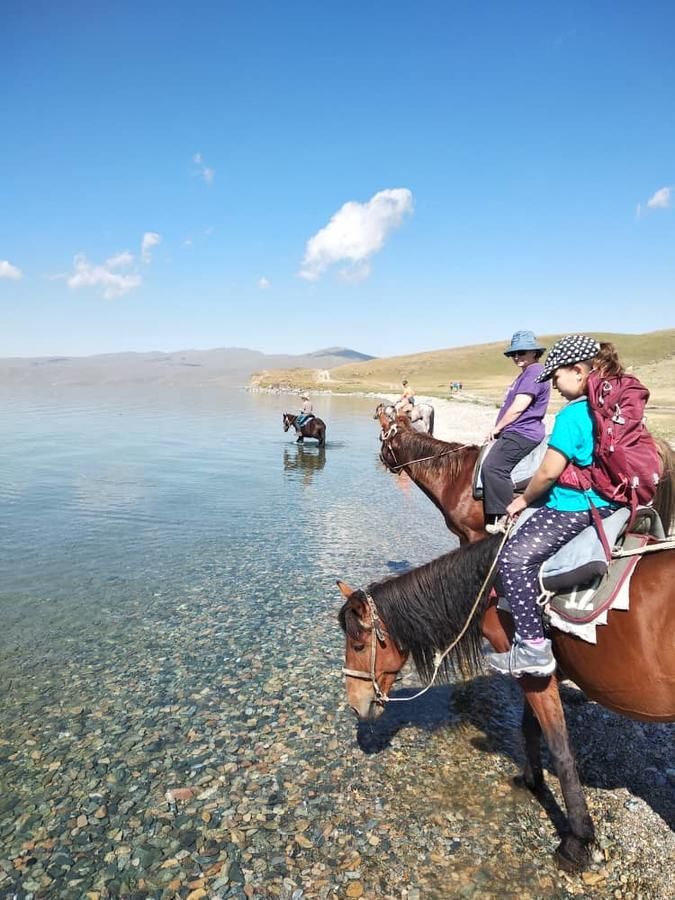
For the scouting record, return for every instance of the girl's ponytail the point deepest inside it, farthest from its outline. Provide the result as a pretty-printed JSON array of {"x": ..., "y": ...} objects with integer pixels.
[{"x": 606, "y": 361}]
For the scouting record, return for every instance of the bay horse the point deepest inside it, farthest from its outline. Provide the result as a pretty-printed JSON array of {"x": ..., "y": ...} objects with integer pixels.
[
  {"x": 313, "y": 428},
  {"x": 631, "y": 669},
  {"x": 444, "y": 472}
]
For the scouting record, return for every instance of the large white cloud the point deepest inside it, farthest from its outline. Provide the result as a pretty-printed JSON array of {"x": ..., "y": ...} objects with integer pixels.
[
  {"x": 150, "y": 239},
  {"x": 7, "y": 270},
  {"x": 660, "y": 199},
  {"x": 356, "y": 232},
  {"x": 106, "y": 276}
]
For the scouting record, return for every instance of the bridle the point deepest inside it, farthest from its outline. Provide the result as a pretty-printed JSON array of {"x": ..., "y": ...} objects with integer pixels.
[
  {"x": 377, "y": 633},
  {"x": 385, "y": 439}
]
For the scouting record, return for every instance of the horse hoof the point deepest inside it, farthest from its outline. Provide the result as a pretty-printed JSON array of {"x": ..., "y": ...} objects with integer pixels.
[{"x": 572, "y": 854}]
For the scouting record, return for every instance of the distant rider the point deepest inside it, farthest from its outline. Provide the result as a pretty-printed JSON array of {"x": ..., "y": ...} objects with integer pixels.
[
  {"x": 404, "y": 405},
  {"x": 305, "y": 414}
]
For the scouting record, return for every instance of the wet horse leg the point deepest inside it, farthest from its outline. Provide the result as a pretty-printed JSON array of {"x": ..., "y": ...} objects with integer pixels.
[{"x": 543, "y": 697}]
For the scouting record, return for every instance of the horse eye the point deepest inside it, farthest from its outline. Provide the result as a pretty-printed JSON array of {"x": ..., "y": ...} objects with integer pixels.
[{"x": 358, "y": 647}]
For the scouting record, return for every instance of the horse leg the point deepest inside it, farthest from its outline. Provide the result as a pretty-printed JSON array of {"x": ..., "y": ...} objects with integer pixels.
[
  {"x": 543, "y": 696},
  {"x": 533, "y": 774}
]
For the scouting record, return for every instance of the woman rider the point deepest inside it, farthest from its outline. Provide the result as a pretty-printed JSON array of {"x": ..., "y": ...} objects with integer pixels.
[
  {"x": 565, "y": 511},
  {"x": 518, "y": 430}
]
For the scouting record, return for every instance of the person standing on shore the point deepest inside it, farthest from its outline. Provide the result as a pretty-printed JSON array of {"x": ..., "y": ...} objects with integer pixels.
[{"x": 518, "y": 429}]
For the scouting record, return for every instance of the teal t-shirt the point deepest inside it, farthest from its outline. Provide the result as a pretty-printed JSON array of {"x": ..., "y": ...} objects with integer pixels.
[{"x": 572, "y": 436}]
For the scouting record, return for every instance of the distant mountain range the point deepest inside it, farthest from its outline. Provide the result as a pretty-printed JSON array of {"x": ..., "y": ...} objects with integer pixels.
[{"x": 194, "y": 366}]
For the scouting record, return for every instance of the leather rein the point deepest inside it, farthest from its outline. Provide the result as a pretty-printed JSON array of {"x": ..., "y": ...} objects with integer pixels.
[
  {"x": 385, "y": 438},
  {"x": 377, "y": 633}
]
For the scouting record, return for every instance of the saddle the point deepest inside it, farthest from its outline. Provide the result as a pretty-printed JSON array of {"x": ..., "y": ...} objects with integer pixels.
[
  {"x": 303, "y": 419},
  {"x": 520, "y": 474}
]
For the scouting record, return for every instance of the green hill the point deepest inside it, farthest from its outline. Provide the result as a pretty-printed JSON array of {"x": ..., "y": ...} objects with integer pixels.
[{"x": 485, "y": 372}]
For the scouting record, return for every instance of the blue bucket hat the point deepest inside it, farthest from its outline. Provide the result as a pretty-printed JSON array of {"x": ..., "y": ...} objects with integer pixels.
[{"x": 523, "y": 340}]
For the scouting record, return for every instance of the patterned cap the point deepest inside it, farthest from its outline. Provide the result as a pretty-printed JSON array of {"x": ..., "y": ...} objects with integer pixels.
[{"x": 567, "y": 351}]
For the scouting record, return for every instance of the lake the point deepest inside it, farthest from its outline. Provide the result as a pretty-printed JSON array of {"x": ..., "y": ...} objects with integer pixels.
[{"x": 173, "y": 721}]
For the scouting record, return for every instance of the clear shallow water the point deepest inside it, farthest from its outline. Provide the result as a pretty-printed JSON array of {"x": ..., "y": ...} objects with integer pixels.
[
  {"x": 167, "y": 591},
  {"x": 108, "y": 491}
]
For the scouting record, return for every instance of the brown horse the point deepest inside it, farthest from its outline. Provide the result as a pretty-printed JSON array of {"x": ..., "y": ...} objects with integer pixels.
[
  {"x": 444, "y": 472},
  {"x": 314, "y": 428},
  {"x": 630, "y": 670}
]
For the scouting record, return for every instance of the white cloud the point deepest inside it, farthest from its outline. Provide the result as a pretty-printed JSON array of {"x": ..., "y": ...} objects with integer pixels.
[
  {"x": 150, "y": 239},
  {"x": 7, "y": 270},
  {"x": 660, "y": 199},
  {"x": 356, "y": 232},
  {"x": 121, "y": 261},
  {"x": 110, "y": 283},
  {"x": 264, "y": 283},
  {"x": 204, "y": 171}
]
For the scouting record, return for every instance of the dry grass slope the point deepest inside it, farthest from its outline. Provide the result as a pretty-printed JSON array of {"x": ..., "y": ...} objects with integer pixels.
[{"x": 485, "y": 372}]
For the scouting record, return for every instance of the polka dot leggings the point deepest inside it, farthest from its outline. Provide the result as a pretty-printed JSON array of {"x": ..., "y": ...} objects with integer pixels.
[{"x": 535, "y": 541}]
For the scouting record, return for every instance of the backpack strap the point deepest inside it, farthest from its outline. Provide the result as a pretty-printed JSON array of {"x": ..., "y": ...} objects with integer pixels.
[{"x": 599, "y": 527}]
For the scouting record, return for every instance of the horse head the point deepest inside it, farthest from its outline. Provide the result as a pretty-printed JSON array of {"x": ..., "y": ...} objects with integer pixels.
[
  {"x": 287, "y": 421},
  {"x": 372, "y": 657}
]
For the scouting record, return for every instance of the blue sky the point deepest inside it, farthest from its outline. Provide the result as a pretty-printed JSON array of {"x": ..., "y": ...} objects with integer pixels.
[{"x": 390, "y": 176}]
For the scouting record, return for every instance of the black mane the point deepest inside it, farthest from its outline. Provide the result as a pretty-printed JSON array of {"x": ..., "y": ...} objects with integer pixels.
[{"x": 425, "y": 609}]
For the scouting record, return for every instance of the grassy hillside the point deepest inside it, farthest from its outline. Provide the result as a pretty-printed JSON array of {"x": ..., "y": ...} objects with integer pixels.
[{"x": 485, "y": 372}]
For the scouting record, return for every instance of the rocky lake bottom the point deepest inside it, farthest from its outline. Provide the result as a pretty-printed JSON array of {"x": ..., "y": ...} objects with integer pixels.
[{"x": 173, "y": 721}]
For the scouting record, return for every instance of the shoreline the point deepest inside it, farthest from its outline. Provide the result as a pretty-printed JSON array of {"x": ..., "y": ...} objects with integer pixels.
[{"x": 465, "y": 420}]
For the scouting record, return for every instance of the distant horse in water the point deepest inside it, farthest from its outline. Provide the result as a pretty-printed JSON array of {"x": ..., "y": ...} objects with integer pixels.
[
  {"x": 421, "y": 415},
  {"x": 630, "y": 670},
  {"x": 313, "y": 428},
  {"x": 444, "y": 472}
]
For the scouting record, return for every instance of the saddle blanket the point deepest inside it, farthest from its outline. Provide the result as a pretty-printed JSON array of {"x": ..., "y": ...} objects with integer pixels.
[
  {"x": 578, "y": 587},
  {"x": 521, "y": 473}
]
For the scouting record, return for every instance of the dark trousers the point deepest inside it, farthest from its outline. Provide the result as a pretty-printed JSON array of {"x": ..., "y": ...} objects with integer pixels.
[{"x": 508, "y": 450}]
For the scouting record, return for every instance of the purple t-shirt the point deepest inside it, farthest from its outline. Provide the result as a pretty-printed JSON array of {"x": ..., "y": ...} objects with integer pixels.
[{"x": 529, "y": 424}]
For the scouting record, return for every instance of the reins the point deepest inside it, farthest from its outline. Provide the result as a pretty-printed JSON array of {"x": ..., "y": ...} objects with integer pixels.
[
  {"x": 394, "y": 430},
  {"x": 378, "y": 633}
]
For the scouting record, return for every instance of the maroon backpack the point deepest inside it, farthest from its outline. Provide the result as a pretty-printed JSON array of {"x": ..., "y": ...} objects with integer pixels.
[{"x": 626, "y": 465}]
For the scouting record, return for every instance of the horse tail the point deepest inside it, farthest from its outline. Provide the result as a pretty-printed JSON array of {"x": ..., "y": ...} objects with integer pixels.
[
  {"x": 431, "y": 422},
  {"x": 664, "y": 501}
]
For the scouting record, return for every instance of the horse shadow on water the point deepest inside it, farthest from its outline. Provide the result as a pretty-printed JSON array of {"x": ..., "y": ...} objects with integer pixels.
[{"x": 611, "y": 751}]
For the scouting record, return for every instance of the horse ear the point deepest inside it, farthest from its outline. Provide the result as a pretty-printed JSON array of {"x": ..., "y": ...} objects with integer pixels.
[{"x": 345, "y": 590}]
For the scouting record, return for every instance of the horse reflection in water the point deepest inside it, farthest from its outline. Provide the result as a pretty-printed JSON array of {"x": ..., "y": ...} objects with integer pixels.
[{"x": 304, "y": 461}]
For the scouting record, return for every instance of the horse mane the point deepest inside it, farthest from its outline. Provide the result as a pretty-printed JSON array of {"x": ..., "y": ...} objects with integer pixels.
[
  {"x": 421, "y": 445},
  {"x": 425, "y": 609},
  {"x": 664, "y": 501}
]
